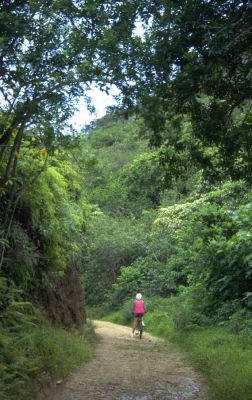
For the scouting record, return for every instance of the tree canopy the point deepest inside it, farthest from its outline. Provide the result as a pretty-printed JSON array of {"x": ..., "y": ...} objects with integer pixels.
[
  {"x": 195, "y": 59},
  {"x": 154, "y": 197},
  {"x": 51, "y": 52}
]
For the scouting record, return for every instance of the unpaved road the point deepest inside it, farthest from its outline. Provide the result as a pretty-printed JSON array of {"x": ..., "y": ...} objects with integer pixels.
[{"x": 126, "y": 368}]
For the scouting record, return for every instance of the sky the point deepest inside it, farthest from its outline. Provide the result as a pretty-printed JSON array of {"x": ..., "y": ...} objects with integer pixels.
[{"x": 100, "y": 100}]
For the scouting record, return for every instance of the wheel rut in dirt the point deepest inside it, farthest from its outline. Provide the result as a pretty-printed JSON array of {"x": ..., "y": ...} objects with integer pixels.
[{"x": 126, "y": 368}]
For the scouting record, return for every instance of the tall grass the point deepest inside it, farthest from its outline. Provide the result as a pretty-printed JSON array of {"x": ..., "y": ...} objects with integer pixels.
[
  {"x": 225, "y": 358},
  {"x": 32, "y": 356}
]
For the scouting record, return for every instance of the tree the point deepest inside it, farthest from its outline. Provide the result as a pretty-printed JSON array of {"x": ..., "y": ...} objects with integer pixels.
[
  {"x": 50, "y": 54},
  {"x": 142, "y": 179},
  {"x": 111, "y": 244},
  {"x": 195, "y": 60}
]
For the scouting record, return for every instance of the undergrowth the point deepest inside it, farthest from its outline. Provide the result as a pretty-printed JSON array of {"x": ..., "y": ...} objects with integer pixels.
[{"x": 34, "y": 354}]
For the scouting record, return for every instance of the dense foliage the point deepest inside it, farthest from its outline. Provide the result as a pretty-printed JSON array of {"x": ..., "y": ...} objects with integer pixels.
[
  {"x": 34, "y": 353},
  {"x": 158, "y": 202},
  {"x": 195, "y": 61},
  {"x": 196, "y": 245}
]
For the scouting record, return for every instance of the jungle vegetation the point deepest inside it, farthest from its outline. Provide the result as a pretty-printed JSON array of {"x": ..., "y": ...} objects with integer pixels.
[{"x": 154, "y": 197}]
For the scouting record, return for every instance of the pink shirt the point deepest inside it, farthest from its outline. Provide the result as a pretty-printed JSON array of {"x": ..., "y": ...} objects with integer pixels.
[{"x": 138, "y": 307}]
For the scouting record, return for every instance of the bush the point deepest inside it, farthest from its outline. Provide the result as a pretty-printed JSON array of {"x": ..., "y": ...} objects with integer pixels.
[
  {"x": 33, "y": 353},
  {"x": 122, "y": 316},
  {"x": 37, "y": 356},
  {"x": 240, "y": 322}
]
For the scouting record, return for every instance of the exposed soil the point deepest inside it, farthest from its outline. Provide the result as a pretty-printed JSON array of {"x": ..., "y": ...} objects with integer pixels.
[
  {"x": 64, "y": 301},
  {"x": 126, "y": 368}
]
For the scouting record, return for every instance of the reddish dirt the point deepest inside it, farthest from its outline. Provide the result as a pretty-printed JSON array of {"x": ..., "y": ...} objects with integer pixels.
[
  {"x": 64, "y": 302},
  {"x": 126, "y": 368}
]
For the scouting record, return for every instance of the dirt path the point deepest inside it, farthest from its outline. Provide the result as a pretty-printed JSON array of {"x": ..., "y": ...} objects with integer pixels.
[{"x": 126, "y": 368}]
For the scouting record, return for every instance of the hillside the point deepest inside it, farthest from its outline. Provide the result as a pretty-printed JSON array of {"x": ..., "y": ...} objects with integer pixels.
[{"x": 155, "y": 197}]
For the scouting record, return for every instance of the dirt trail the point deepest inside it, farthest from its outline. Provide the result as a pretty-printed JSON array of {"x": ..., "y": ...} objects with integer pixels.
[{"x": 126, "y": 368}]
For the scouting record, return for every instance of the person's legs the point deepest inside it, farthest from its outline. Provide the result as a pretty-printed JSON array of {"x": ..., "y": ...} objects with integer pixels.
[{"x": 135, "y": 323}]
